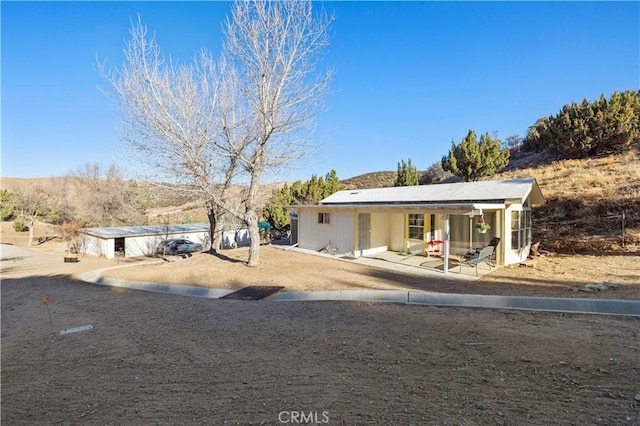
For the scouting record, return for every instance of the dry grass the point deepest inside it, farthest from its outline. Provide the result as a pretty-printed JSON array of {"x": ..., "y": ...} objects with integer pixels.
[{"x": 584, "y": 203}]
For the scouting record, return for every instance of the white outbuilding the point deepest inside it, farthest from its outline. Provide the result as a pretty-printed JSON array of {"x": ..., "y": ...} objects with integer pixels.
[
  {"x": 427, "y": 220},
  {"x": 140, "y": 240}
]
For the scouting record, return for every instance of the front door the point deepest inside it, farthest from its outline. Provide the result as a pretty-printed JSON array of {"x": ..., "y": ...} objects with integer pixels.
[{"x": 364, "y": 232}]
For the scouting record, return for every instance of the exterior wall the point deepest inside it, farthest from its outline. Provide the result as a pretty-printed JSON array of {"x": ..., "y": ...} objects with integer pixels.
[
  {"x": 396, "y": 232},
  {"x": 109, "y": 249},
  {"x": 231, "y": 237},
  {"x": 93, "y": 246},
  {"x": 136, "y": 246},
  {"x": 512, "y": 255},
  {"x": 142, "y": 246},
  {"x": 380, "y": 233},
  {"x": 315, "y": 236}
]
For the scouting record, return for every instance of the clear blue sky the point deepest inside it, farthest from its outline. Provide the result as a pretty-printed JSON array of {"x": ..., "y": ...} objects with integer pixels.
[{"x": 411, "y": 76}]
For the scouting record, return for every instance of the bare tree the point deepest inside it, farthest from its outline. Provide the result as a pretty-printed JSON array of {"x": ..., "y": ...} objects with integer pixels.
[
  {"x": 107, "y": 199},
  {"x": 210, "y": 125},
  {"x": 32, "y": 202},
  {"x": 274, "y": 48}
]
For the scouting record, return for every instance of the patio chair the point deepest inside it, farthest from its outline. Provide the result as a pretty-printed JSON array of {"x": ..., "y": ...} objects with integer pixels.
[
  {"x": 474, "y": 251},
  {"x": 484, "y": 255}
]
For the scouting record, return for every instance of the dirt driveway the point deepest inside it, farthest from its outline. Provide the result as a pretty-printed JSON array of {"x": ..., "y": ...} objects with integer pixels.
[{"x": 162, "y": 359}]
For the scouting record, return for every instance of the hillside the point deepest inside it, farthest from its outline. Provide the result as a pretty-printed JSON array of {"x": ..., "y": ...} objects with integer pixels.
[
  {"x": 585, "y": 200},
  {"x": 370, "y": 180}
]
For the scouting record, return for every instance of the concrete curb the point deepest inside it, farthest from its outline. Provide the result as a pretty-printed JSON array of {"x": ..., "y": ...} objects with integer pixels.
[
  {"x": 546, "y": 304},
  {"x": 393, "y": 296},
  {"x": 542, "y": 304},
  {"x": 95, "y": 277}
]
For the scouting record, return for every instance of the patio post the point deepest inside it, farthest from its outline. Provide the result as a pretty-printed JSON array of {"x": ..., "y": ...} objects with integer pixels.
[{"x": 446, "y": 243}]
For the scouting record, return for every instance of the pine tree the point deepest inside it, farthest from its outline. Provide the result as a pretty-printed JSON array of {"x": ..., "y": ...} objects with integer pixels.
[
  {"x": 407, "y": 174},
  {"x": 472, "y": 159}
]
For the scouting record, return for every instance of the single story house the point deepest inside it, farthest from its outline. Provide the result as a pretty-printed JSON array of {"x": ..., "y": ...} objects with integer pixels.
[
  {"x": 139, "y": 240},
  {"x": 425, "y": 219}
]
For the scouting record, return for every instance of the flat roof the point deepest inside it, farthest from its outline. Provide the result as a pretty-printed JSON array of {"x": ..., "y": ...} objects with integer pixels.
[
  {"x": 442, "y": 194},
  {"x": 144, "y": 230}
]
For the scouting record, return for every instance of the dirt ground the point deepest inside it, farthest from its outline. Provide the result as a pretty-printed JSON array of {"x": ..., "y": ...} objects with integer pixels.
[
  {"x": 556, "y": 276},
  {"x": 553, "y": 276},
  {"x": 163, "y": 359}
]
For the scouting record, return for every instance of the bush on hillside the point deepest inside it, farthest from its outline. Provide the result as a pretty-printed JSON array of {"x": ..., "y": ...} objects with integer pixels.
[
  {"x": 602, "y": 127},
  {"x": 20, "y": 226},
  {"x": 7, "y": 207}
]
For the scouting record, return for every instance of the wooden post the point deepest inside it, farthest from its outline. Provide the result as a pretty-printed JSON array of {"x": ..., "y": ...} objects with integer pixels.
[
  {"x": 446, "y": 243},
  {"x": 622, "y": 228}
]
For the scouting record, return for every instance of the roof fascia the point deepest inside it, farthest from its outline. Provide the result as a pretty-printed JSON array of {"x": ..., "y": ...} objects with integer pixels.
[{"x": 454, "y": 208}]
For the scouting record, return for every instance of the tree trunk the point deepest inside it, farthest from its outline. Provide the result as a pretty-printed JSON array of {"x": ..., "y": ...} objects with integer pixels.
[
  {"x": 251, "y": 220},
  {"x": 30, "y": 234},
  {"x": 214, "y": 228},
  {"x": 32, "y": 223}
]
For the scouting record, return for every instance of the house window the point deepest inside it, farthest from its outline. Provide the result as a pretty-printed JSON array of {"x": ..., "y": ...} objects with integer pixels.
[
  {"x": 324, "y": 218},
  {"x": 520, "y": 229},
  {"x": 416, "y": 227}
]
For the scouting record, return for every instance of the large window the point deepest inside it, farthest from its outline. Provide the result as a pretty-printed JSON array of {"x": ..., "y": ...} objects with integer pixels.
[
  {"x": 416, "y": 226},
  {"x": 520, "y": 229},
  {"x": 324, "y": 218}
]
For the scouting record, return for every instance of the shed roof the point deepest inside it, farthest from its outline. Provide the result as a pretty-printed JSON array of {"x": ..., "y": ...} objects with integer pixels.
[
  {"x": 454, "y": 193},
  {"x": 144, "y": 230}
]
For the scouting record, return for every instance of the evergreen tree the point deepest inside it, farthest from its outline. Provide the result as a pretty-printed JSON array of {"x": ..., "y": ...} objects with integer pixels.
[
  {"x": 7, "y": 205},
  {"x": 472, "y": 159},
  {"x": 407, "y": 174},
  {"x": 309, "y": 192},
  {"x": 605, "y": 126}
]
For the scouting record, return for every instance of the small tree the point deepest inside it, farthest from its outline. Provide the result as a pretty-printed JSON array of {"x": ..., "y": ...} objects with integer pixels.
[
  {"x": 513, "y": 142},
  {"x": 107, "y": 198},
  {"x": 472, "y": 159},
  {"x": 309, "y": 192},
  {"x": 407, "y": 174},
  {"x": 7, "y": 205},
  {"x": 32, "y": 203},
  {"x": 435, "y": 174}
]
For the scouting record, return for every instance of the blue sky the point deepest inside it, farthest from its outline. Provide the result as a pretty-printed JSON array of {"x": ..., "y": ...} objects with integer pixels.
[{"x": 410, "y": 76}]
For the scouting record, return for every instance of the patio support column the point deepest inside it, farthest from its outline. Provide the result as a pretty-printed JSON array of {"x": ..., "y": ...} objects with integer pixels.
[{"x": 446, "y": 243}]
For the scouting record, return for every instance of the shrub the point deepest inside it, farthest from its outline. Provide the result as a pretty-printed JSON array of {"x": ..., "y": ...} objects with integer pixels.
[
  {"x": 20, "y": 226},
  {"x": 6, "y": 213},
  {"x": 7, "y": 209}
]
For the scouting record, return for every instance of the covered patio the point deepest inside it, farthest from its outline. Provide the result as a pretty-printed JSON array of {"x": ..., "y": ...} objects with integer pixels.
[{"x": 433, "y": 264}]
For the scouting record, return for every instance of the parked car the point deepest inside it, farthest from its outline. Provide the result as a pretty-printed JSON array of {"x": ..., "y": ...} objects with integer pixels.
[{"x": 178, "y": 247}]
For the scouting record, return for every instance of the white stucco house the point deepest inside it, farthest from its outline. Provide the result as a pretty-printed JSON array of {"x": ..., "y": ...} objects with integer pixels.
[{"x": 424, "y": 220}]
